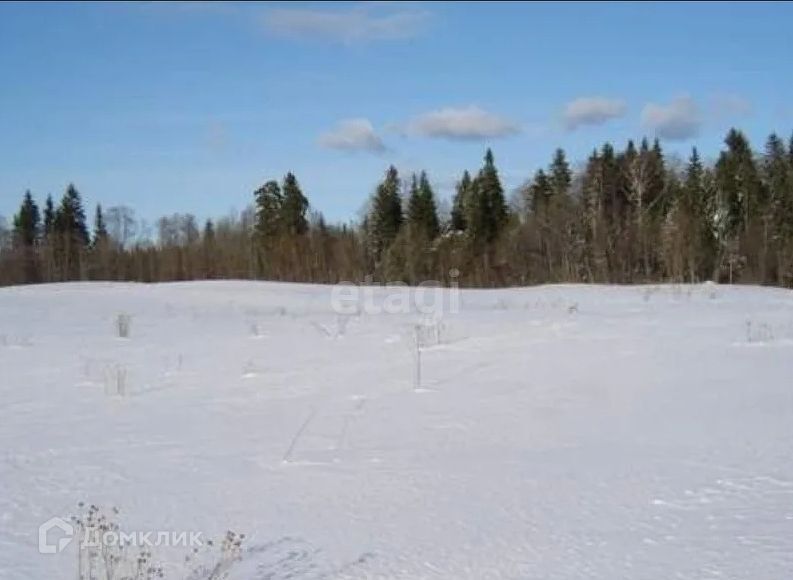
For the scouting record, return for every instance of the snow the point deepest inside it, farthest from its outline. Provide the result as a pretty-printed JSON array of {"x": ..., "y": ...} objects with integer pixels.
[{"x": 559, "y": 432}]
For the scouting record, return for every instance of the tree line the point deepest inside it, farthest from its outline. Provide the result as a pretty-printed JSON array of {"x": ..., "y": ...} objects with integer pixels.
[{"x": 624, "y": 216}]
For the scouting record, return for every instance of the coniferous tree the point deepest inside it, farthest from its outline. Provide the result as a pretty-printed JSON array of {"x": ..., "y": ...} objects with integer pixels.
[
  {"x": 696, "y": 208},
  {"x": 208, "y": 235},
  {"x": 790, "y": 151},
  {"x": 431, "y": 221},
  {"x": 594, "y": 224},
  {"x": 628, "y": 216},
  {"x": 560, "y": 175},
  {"x": 493, "y": 195},
  {"x": 487, "y": 212},
  {"x": 100, "y": 236},
  {"x": 422, "y": 211},
  {"x": 70, "y": 218},
  {"x": 72, "y": 234},
  {"x": 779, "y": 183},
  {"x": 294, "y": 207},
  {"x": 414, "y": 203},
  {"x": 27, "y": 223},
  {"x": 739, "y": 183},
  {"x": 268, "y": 200},
  {"x": 460, "y": 202},
  {"x": 49, "y": 217},
  {"x": 657, "y": 182},
  {"x": 100, "y": 248},
  {"x": 208, "y": 249},
  {"x": 778, "y": 178},
  {"x": 386, "y": 216},
  {"x": 27, "y": 226},
  {"x": 540, "y": 193}
]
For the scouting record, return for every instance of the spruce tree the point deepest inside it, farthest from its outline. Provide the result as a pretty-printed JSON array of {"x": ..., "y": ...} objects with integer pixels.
[
  {"x": 790, "y": 152},
  {"x": 27, "y": 226},
  {"x": 491, "y": 199},
  {"x": 613, "y": 198},
  {"x": 294, "y": 207},
  {"x": 208, "y": 249},
  {"x": 540, "y": 193},
  {"x": 460, "y": 202},
  {"x": 72, "y": 234},
  {"x": 386, "y": 216},
  {"x": 779, "y": 179},
  {"x": 70, "y": 218},
  {"x": 27, "y": 223},
  {"x": 739, "y": 184},
  {"x": 656, "y": 186},
  {"x": 100, "y": 229},
  {"x": 422, "y": 210},
  {"x": 697, "y": 210},
  {"x": 49, "y": 217},
  {"x": 208, "y": 236},
  {"x": 560, "y": 175},
  {"x": 414, "y": 209}
]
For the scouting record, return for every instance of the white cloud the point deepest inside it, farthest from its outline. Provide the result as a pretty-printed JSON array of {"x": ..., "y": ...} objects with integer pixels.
[
  {"x": 678, "y": 120},
  {"x": 592, "y": 111},
  {"x": 356, "y": 25},
  {"x": 466, "y": 123},
  {"x": 352, "y": 135}
]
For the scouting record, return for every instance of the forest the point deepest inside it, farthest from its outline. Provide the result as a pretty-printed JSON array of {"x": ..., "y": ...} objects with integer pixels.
[{"x": 622, "y": 216}]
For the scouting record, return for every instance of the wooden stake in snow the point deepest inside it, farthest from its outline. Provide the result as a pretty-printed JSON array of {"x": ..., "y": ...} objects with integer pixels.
[{"x": 288, "y": 455}]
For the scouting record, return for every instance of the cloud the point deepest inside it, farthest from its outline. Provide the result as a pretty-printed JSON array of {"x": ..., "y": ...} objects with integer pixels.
[
  {"x": 357, "y": 25},
  {"x": 677, "y": 121},
  {"x": 466, "y": 123},
  {"x": 591, "y": 111},
  {"x": 352, "y": 135}
]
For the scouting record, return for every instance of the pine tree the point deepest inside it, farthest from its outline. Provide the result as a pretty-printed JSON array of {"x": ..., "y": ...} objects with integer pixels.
[
  {"x": 460, "y": 201},
  {"x": 386, "y": 216},
  {"x": 294, "y": 207},
  {"x": 268, "y": 201},
  {"x": 27, "y": 223}
]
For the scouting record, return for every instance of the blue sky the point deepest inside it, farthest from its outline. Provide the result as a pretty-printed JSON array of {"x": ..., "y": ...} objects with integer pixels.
[{"x": 189, "y": 107}]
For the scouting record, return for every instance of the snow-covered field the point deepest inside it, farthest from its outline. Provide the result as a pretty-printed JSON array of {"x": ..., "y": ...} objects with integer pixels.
[{"x": 561, "y": 432}]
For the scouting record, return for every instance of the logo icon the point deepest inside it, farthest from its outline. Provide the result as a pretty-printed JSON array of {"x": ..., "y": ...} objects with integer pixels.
[{"x": 50, "y": 527}]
